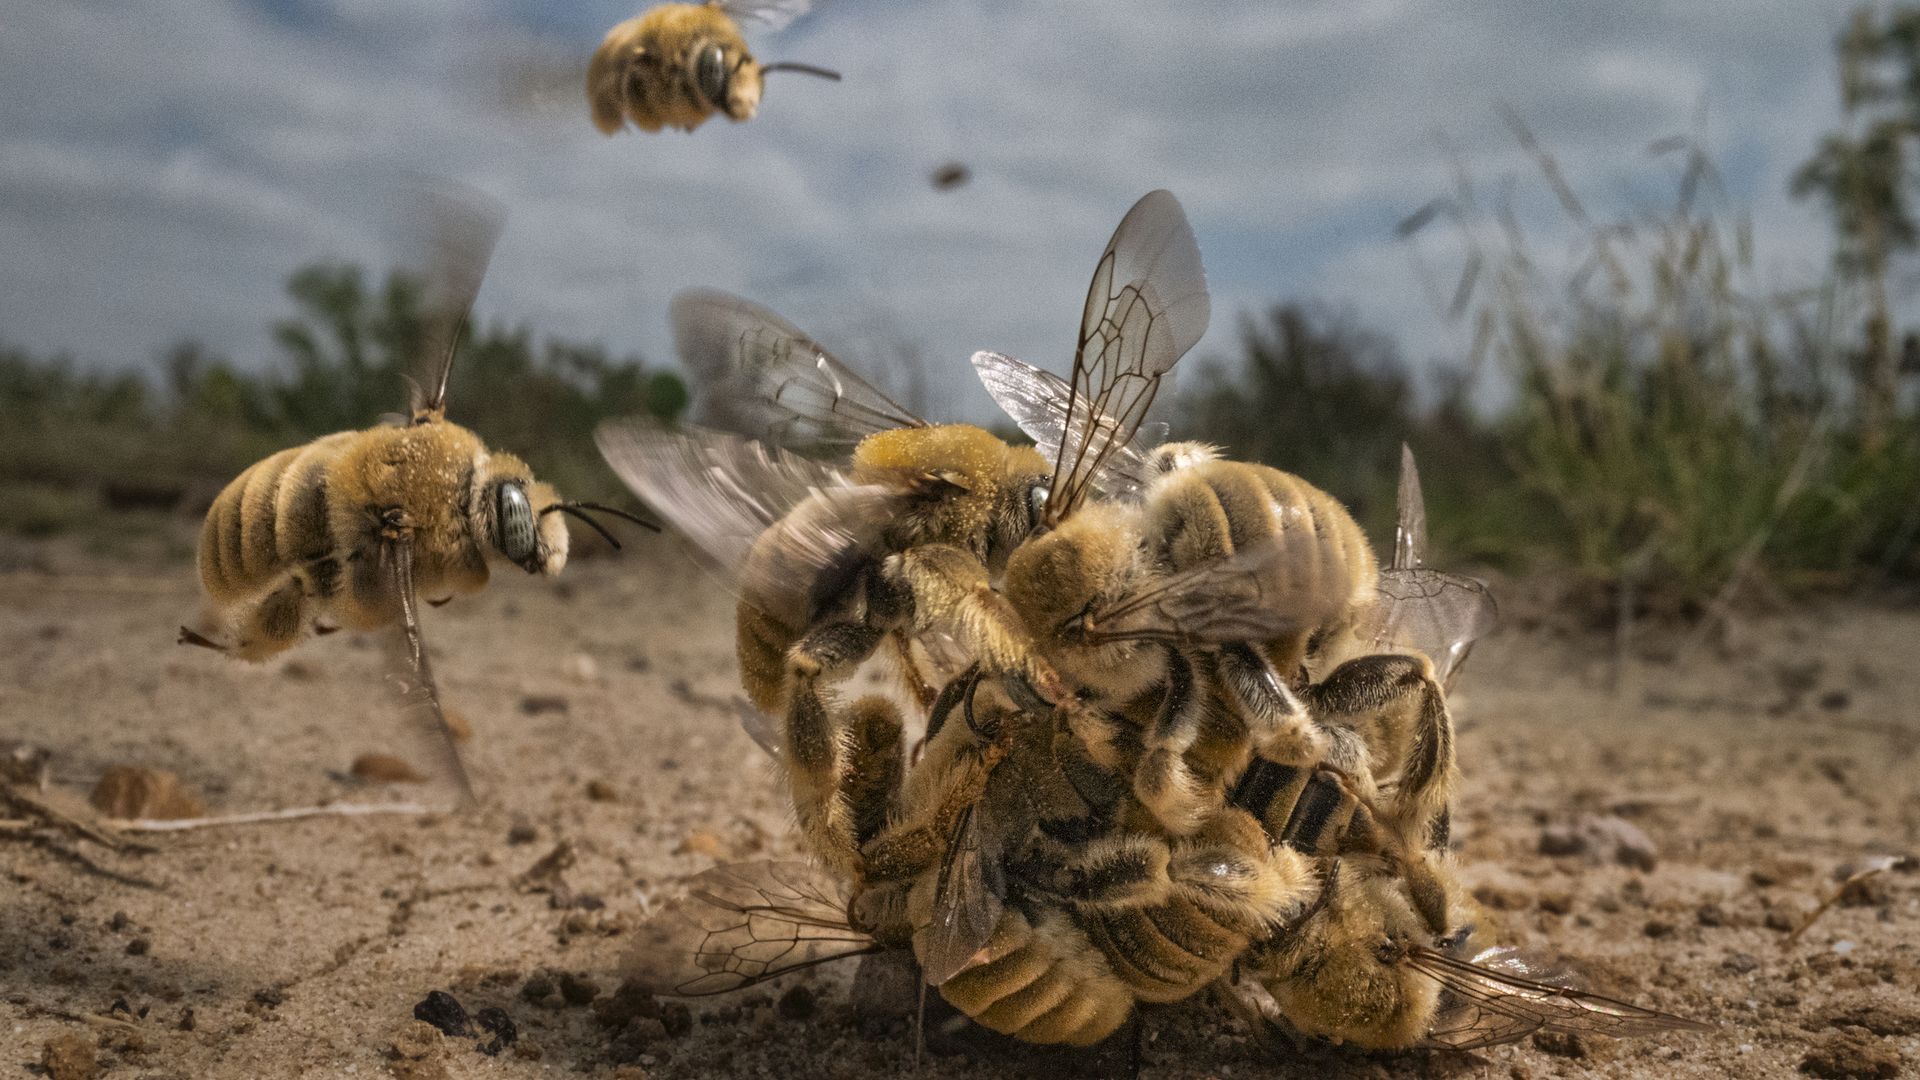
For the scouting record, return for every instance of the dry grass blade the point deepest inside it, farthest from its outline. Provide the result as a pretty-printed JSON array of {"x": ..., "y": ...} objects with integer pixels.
[{"x": 263, "y": 817}]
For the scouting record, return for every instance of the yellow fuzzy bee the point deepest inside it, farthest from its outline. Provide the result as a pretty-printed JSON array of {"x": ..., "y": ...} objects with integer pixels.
[
  {"x": 675, "y": 65},
  {"x": 352, "y": 529}
]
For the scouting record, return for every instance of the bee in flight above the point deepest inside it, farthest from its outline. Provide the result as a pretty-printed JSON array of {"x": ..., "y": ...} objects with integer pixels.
[
  {"x": 353, "y": 528},
  {"x": 675, "y": 65}
]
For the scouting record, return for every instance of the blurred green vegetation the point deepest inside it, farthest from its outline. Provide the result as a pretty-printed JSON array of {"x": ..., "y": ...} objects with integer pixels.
[{"x": 78, "y": 442}]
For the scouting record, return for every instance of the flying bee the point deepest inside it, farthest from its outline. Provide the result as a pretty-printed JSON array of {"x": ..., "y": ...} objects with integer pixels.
[
  {"x": 907, "y": 538},
  {"x": 675, "y": 65},
  {"x": 354, "y": 528}
]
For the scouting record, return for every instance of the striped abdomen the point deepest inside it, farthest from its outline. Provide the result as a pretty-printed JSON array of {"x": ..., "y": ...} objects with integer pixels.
[
  {"x": 1215, "y": 508},
  {"x": 270, "y": 521},
  {"x": 1043, "y": 982}
]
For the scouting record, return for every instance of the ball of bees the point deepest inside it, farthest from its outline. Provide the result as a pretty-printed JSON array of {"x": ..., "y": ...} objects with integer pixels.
[
  {"x": 353, "y": 529},
  {"x": 675, "y": 65}
]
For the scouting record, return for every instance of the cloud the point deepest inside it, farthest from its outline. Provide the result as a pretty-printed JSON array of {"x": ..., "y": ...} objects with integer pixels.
[{"x": 166, "y": 165}]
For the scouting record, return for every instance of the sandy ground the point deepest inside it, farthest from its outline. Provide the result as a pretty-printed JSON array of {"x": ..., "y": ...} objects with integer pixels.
[{"x": 1757, "y": 768}]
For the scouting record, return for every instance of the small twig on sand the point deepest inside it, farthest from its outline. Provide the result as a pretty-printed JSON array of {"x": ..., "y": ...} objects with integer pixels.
[
  {"x": 1878, "y": 865},
  {"x": 29, "y": 807},
  {"x": 263, "y": 817}
]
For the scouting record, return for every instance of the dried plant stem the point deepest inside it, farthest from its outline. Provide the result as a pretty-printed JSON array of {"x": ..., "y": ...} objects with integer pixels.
[{"x": 263, "y": 817}]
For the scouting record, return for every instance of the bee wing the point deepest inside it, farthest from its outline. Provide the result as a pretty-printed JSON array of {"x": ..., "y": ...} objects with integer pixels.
[
  {"x": 426, "y": 727},
  {"x": 760, "y": 375},
  {"x": 775, "y": 14},
  {"x": 723, "y": 491},
  {"x": 744, "y": 923},
  {"x": 463, "y": 226},
  {"x": 762, "y": 728},
  {"x": 1247, "y": 596},
  {"x": 1439, "y": 614},
  {"x": 1146, "y": 306},
  {"x": 1410, "y": 526},
  {"x": 1038, "y": 401},
  {"x": 1499, "y": 998},
  {"x": 968, "y": 899}
]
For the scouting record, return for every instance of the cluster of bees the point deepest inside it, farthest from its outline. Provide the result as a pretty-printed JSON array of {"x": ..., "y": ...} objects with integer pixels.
[{"x": 1164, "y": 726}]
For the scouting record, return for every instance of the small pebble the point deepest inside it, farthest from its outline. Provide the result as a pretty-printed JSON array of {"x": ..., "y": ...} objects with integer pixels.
[
  {"x": 494, "y": 1021},
  {"x": 796, "y": 1004},
  {"x": 445, "y": 1013}
]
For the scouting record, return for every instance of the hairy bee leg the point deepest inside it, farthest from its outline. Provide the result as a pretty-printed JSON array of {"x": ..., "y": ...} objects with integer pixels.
[
  {"x": 816, "y": 757},
  {"x": 1112, "y": 872},
  {"x": 875, "y": 769},
  {"x": 949, "y": 588},
  {"x": 273, "y": 625},
  {"x": 1395, "y": 709},
  {"x": 1281, "y": 727},
  {"x": 831, "y": 648},
  {"x": 910, "y": 675},
  {"x": 190, "y": 636},
  {"x": 1229, "y": 868},
  {"x": 1162, "y": 780}
]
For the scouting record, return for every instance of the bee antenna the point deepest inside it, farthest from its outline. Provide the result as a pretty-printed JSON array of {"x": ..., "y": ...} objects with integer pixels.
[
  {"x": 579, "y": 510},
  {"x": 804, "y": 69}
]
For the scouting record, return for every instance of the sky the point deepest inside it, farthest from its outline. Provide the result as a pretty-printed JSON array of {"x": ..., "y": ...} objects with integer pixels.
[{"x": 165, "y": 164}]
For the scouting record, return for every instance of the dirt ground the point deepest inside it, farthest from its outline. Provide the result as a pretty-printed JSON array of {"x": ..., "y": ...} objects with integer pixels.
[{"x": 1755, "y": 768}]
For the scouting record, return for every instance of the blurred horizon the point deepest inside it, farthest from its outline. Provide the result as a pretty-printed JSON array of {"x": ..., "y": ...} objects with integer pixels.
[{"x": 167, "y": 168}]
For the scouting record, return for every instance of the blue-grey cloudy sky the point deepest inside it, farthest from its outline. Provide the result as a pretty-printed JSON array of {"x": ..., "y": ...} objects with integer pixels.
[{"x": 164, "y": 164}]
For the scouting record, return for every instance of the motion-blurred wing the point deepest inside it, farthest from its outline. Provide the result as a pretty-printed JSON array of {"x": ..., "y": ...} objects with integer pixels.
[
  {"x": 723, "y": 491},
  {"x": 759, "y": 375},
  {"x": 1410, "y": 526},
  {"x": 1490, "y": 1001},
  {"x": 774, "y": 14},
  {"x": 428, "y": 738},
  {"x": 1437, "y": 613},
  {"x": 1247, "y": 596},
  {"x": 463, "y": 226},
  {"x": 967, "y": 902},
  {"x": 1146, "y": 306},
  {"x": 742, "y": 924},
  {"x": 1038, "y": 401}
]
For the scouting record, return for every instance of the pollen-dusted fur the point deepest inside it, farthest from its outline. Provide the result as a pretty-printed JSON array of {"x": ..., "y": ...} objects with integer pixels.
[
  {"x": 1196, "y": 716},
  {"x": 646, "y": 70},
  {"x": 1338, "y": 975},
  {"x": 293, "y": 539},
  {"x": 965, "y": 499}
]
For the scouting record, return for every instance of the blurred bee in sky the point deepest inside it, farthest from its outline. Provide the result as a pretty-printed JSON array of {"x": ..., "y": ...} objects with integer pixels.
[
  {"x": 908, "y": 538},
  {"x": 675, "y": 65},
  {"x": 354, "y": 528}
]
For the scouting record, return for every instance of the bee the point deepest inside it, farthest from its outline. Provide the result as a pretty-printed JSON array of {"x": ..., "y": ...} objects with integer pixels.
[
  {"x": 1363, "y": 970},
  {"x": 675, "y": 65},
  {"x": 1084, "y": 916},
  {"x": 908, "y": 537},
  {"x": 354, "y": 528},
  {"x": 1023, "y": 903},
  {"x": 1181, "y": 507}
]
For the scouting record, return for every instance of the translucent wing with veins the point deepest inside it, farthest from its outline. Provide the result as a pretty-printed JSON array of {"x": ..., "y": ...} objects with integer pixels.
[
  {"x": 759, "y": 375},
  {"x": 744, "y": 923},
  {"x": 1038, "y": 400},
  {"x": 1500, "y": 996},
  {"x": 1438, "y": 613},
  {"x": 1146, "y": 306},
  {"x": 968, "y": 901},
  {"x": 1247, "y": 596}
]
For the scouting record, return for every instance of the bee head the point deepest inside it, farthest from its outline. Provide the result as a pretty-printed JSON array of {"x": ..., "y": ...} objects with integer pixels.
[
  {"x": 1340, "y": 973},
  {"x": 511, "y": 514},
  {"x": 972, "y": 489},
  {"x": 727, "y": 77},
  {"x": 1058, "y": 580}
]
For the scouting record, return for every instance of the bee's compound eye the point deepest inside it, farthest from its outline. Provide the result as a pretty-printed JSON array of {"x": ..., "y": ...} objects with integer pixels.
[
  {"x": 516, "y": 533},
  {"x": 1037, "y": 501},
  {"x": 710, "y": 73}
]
